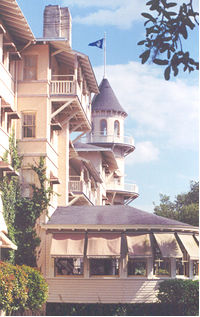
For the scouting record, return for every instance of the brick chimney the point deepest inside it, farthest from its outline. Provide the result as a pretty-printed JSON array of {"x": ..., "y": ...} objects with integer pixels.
[{"x": 57, "y": 22}]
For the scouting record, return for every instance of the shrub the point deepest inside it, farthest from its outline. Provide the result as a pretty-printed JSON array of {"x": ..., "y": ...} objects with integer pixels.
[
  {"x": 21, "y": 288},
  {"x": 183, "y": 295},
  {"x": 37, "y": 288},
  {"x": 13, "y": 287}
]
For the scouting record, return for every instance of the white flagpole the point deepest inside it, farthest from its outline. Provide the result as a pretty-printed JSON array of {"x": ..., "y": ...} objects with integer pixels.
[{"x": 104, "y": 76}]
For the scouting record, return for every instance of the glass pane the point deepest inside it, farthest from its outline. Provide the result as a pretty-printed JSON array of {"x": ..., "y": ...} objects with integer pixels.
[
  {"x": 103, "y": 127},
  {"x": 137, "y": 267},
  {"x": 104, "y": 267},
  {"x": 69, "y": 266},
  {"x": 162, "y": 267}
]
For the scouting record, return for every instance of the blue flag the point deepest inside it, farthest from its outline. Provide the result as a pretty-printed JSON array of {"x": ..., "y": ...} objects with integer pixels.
[{"x": 98, "y": 43}]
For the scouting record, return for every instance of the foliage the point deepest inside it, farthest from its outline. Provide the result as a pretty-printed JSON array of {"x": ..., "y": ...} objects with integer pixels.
[
  {"x": 37, "y": 288},
  {"x": 181, "y": 294},
  {"x": 21, "y": 213},
  {"x": 98, "y": 309},
  {"x": 13, "y": 287},
  {"x": 21, "y": 288},
  {"x": 185, "y": 208},
  {"x": 166, "y": 29}
]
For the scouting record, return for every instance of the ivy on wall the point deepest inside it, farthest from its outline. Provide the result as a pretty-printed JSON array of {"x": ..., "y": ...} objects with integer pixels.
[{"x": 21, "y": 213}]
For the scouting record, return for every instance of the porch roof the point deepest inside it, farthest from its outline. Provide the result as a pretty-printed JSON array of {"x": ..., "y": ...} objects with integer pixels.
[{"x": 115, "y": 216}]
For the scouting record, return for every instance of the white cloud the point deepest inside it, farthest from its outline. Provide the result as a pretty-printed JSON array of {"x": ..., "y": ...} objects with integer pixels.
[
  {"x": 145, "y": 152},
  {"x": 120, "y": 13},
  {"x": 164, "y": 110}
]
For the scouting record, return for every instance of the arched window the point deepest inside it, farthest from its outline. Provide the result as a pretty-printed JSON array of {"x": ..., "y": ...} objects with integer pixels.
[
  {"x": 103, "y": 127},
  {"x": 116, "y": 128}
]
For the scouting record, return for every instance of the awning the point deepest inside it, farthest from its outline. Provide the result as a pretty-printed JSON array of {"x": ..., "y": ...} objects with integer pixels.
[
  {"x": 67, "y": 245},
  {"x": 190, "y": 245},
  {"x": 103, "y": 245},
  {"x": 168, "y": 245},
  {"x": 139, "y": 245},
  {"x": 6, "y": 243}
]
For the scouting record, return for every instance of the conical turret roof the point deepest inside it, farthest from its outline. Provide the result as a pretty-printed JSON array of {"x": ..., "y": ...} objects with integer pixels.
[{"x": 106, "y": 99}]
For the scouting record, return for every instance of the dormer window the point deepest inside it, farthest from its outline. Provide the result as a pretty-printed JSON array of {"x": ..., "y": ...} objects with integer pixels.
[
  {"x": 103, "y": 127},
  {"x": 116, "y": 128}
]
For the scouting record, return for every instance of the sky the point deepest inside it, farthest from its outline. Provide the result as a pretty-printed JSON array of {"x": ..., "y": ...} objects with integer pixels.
[{"x": 162, "y": 115}]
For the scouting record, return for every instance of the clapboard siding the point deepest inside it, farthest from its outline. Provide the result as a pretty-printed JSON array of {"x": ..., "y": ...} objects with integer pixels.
[{"x": 102, "y": 290}]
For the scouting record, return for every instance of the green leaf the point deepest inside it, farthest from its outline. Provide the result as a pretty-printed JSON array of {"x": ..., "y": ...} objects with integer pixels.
[
  {"x": 167, "y": 73},
  {"x": 141, "y": 42},
  {"x": 148, "y": 16},
  {"x": 160, "y": 61},
  {"x": 144, "y": 56},
  {"x": 170, "y": 5}
]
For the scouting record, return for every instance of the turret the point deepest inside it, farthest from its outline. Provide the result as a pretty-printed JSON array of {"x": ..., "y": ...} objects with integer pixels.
[{"x": 108, "y": 131}]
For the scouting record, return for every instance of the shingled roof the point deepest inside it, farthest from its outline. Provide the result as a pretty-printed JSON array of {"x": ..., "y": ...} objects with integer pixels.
[
  {"x": 106, "y": 99},
  {"x": 110, "y": 215}
]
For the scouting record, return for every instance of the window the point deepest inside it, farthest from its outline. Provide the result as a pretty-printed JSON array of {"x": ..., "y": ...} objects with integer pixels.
[
  {"x": 30, "y": 67},
  {"x": 137, "y": 267},
  {"x": 162, "y": 267},
  {"x": 182, "y": 267},
  {"x": 103, "y": 127},
  {"x": 69, "y": 266},
  {"x": 28, "y": 126},
  {"x": 195, "y": 268},
  {"x": 116, "y": 128},
  {"x": 104, "y": 267}
]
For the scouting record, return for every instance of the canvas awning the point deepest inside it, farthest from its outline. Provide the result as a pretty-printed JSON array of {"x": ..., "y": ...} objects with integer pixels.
[
  {"x": 190, "y": 245},
  {"x": 168, "y": 245},
  {"x": 67, "y": 245},
  {"x": 5, "y": 242},
  {"x": 103, "y": 245},
  {"x": 139, "y": 245}
]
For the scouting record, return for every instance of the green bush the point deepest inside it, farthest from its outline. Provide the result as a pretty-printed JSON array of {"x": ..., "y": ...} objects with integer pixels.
[
  {"x": 183, "y": 295},
  {"x": 13, "y": 287},
  {"x": 37, "y": 288},
  {"x": 21, "y": 288}
]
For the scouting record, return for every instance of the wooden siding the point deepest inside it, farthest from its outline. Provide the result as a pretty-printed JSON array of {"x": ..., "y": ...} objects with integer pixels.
[{"x": 92, "y": 290}]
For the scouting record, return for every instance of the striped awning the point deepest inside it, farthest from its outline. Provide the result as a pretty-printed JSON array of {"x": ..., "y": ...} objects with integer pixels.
[
  {"x": 168, "y": 245},
  {"x": 139, "y": 245},
  {"x": 67, "y": 245},
  {"x": 5, "y": 242},
  {"x": 190, "y": 245},
  {"x": 103, "y": 245}
]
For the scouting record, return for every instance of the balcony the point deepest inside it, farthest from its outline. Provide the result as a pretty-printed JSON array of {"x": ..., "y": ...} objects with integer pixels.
[
  {"x": 130, "y": 188},
  {"x": 63, "y": 87},
  {"x": 78, "y": 186},
  {"x": 101, "y": 138}
]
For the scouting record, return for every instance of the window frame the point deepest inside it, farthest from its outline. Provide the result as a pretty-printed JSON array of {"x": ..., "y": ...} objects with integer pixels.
[
  {"x": 103, "y": 129},
  {"x": 28, "y": 68},
  {"x": 137, "y": 260},
  {"x": 185, "y": 264},
  {"x": 81, "y": 274},
  {"x": 161, "y": 260},
  {"x": 32, "y": 126},
  {"x": 117, "y": 129},
  {"x": 117, "y": 267}
]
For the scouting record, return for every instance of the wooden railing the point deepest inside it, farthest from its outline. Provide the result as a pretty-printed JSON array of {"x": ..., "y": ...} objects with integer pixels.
[{"x": 79, "y": 186}]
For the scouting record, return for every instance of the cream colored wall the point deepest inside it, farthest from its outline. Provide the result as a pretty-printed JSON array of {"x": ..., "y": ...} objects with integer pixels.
[{"x": 110, "y": 117}]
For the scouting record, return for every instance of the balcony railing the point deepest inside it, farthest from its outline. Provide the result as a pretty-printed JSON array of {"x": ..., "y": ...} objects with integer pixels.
[
  {"x": 132, "y": 188},
  {"x": 79, "y": 186},
  {"x": 100, "y": 138},
  {"x": 67, "y": 85}
]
